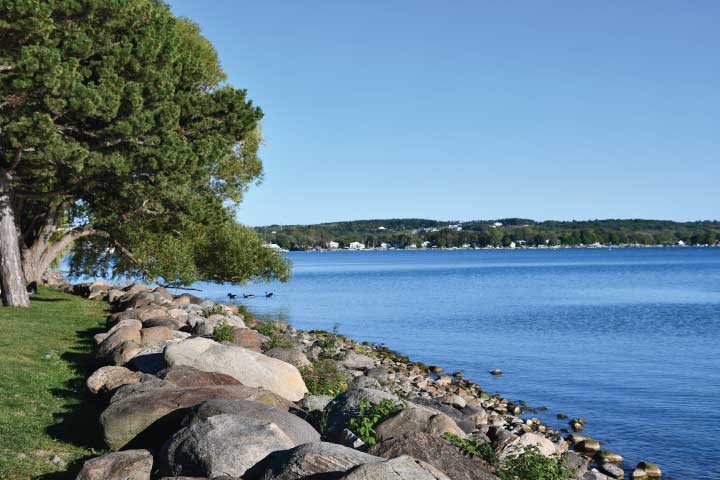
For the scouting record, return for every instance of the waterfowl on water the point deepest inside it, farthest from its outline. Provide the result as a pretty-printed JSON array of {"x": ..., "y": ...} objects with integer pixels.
[
  {"x": 248, "y": 295},
  {"x": 269, "y": 294},
  {"x": 232, "y": 296}
]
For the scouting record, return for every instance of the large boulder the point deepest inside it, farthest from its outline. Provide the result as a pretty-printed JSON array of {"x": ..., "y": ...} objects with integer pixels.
[
  {"x": 312, "y": 460},
  {"x": 544, "y": 445},
  {"x": 127, "y": 465},
  {"x": 117, "y": 338},
  {"x": 184, "y": 376},
  {"x": 110, "y": 378},
  {"x": 296, "y": 428},
  {"x": 250, "y": 368},
  {"x": 415, "y": 418},
  {"x": 222, "y": 445},
  {"x": 147, "y": 418},
  {"x": 437, "y": 452},
  {"x": 400, "y": 468}
]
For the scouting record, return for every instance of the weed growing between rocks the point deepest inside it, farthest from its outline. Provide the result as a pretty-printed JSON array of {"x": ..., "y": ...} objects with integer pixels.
[
  {"x": 473, "y": 446},
  {"x": 223, "y": 333},
  {"x": 276, "y": 337},
  {"x": 370, "y": 416},
  {"x": 216, "y": 309},
  {"x": 533, "y": 465},
  {"x": 324, "y": 378}
]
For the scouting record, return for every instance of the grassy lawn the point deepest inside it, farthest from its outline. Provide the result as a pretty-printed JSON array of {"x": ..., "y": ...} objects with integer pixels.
[{"x": 45, "y": 409}]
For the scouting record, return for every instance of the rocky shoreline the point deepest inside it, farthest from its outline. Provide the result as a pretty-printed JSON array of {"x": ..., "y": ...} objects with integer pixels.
[{"x": 197, "y": 390}]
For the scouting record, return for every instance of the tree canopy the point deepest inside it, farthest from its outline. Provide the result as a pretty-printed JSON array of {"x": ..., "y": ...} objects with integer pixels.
[{"x": 119, "y": 133}]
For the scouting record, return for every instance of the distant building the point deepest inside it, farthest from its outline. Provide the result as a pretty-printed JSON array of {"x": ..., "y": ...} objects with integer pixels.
[
  {"x": 382, "y": 228},
  {"x": 426, "y": 244},
  {"x": 412, "y": 246},
  {"x": 681, "y": 243},
  {"x": 457, "y": 227},
  {"x": 512, "y": 245},
  {"x": 356, "y": 246},
  {"x": 497, "y": 224},
  {"x": 384, "y": 246},
  {"x": 333, "y": 245}
]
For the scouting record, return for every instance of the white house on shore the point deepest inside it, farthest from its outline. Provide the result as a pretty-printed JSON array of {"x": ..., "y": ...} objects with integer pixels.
[
  {"x": 273, "y": 246},
  {"x": 356, "y": 246},
  {"x": 333, "y": 245}
]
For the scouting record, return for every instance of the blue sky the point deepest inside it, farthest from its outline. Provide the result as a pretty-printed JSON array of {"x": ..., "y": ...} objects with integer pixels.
[{"x": 477, "y": 110}]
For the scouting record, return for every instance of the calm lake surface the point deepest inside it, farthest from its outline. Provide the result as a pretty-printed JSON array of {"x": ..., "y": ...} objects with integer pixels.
[{"x": 627, "y": 338}]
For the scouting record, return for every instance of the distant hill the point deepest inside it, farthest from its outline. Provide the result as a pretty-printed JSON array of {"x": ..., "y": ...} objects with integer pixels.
[{"x": 503, "y": 232}]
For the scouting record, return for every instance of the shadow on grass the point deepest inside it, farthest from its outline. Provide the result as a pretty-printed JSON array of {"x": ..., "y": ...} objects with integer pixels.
[
  {"x": 43, "y": 299},
  {"x": 78, "y": 424}
]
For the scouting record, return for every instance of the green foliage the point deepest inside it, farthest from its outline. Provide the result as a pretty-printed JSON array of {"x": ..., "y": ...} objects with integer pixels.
[
  {"x": 46, "y": 354},
  {"x": 473, "y": 446},
  {"x": 223, "y": 333},
  {"x": 277, "y": 338},
  {"x": 216, "y": 309},
  {"x": 369, "y": 416},
  {"x": 532, "y": 465},
  {"x": 324, "y": 378},
  {"x": 330, "y": 347},
  {"x": 116, "y": 125}
]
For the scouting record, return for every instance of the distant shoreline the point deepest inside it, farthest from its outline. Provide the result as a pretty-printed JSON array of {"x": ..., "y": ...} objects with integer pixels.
[{"x": 563, "y": 247}]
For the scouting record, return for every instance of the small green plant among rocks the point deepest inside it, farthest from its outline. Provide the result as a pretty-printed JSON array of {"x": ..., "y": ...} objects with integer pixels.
[
  {"x": 223, "y": 333},
  {"x": 216, "y": 309},
  {"x": 473, "y": 446},
  {"x": 324, "y": 378},
  {"x": 330, "y": 346},
  {"x": 370, "y": 416},
  {"x": 533, "y": 465},
  {"x": 277, "y": 338}
]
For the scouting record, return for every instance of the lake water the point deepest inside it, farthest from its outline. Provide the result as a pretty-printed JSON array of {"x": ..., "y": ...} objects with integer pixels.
[{"x": 627, "y": 338}]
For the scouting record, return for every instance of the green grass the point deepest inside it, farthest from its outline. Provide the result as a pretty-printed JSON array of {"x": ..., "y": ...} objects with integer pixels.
[{"x": 45, "y": 409}]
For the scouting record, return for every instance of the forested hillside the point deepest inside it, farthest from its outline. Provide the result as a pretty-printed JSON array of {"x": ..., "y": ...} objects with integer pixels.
[{"x": 403, "y": 233}]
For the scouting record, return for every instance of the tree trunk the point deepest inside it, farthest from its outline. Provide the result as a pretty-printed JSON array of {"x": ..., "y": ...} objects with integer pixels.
[{"x": 14, "y": 293}]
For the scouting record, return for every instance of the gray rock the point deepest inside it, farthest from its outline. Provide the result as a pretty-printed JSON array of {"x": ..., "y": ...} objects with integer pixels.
[
  {"x": 313, "y": 403},
  {"x": 577, "y": 463},
  {"x": 356, "y": 361},
  {"x": 294, "y": 427},
  {"x": 437, "y": 452},
  {"x": 147, "y": 418},
  {"x": 400, "y": 468},
  {"x": 380, "y": 374},
  {"x": 126, "y": 465},
  {"x": 293, "y": 356},
  {"x": 222, "y": 445},
  {"x": 415, "y": 418},
  {"x": 594, "y": 474},
  {"x": 250, "y": 368},
  {"x": 364, "y": 382},
  {"x": 307, "y": 460},
  {"x": 612, "y": 471}
]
